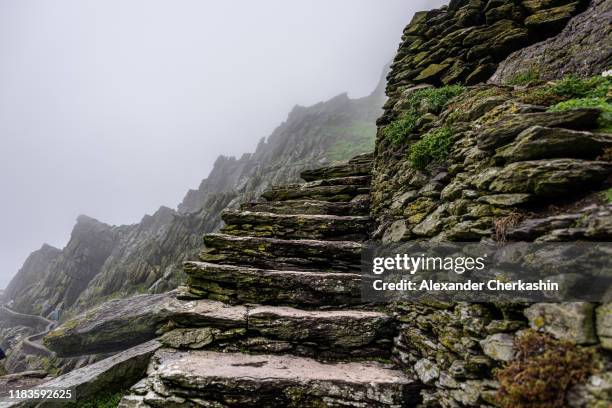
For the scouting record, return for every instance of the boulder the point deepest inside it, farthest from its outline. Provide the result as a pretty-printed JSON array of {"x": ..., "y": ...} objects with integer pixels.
[
  {"x": 508, "y": 127},
  {"x": 540, "y": 142},
  {"x": 576, "y": 50},
  {"x": 549, "y": 178}
]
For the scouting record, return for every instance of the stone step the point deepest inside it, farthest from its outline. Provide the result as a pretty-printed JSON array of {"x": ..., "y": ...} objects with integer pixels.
[
  {"x": 261, "y": 224},
  {"x": 118, "y": 325},
  {"x": 235, "y": 284},
  {"x": 358, "y": 166},
  {"x": 313, "y": 207},
  {"x": 207, "y": 378},
  {"x": 272, "y": 253},
  {"x": 318, "y": 190}
]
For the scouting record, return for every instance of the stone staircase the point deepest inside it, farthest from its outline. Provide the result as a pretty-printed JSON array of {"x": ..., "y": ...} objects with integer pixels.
[{"x": 296, "y": 333}]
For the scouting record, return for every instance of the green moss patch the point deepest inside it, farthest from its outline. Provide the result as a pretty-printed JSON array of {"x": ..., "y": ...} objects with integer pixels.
[
  {"x": 431, "y": 99},
  {"x": 543, "y": 370},
  {"x": 434, "y": 147},
  {"x": 524, "y": 78}
]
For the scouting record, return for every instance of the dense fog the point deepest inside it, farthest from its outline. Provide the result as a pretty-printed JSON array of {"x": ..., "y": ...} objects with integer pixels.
[{"x": 112, "y": 108}]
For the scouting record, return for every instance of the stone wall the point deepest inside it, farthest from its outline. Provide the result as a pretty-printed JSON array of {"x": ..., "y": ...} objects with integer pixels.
[{"x": 476, "y": 162}]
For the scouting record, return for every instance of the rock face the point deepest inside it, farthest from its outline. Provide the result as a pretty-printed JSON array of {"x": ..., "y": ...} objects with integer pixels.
[
  {"x": 580, "y": 49},
  {"x": 499, "y": 165},
  {"x": 465, "y": 41}
]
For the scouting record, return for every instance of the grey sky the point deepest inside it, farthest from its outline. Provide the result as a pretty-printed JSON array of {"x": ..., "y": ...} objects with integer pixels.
[{"x": 112, "y": 108}]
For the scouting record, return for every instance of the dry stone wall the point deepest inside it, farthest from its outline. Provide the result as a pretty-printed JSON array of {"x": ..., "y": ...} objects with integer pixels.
[{"x": 460, "y": 160}]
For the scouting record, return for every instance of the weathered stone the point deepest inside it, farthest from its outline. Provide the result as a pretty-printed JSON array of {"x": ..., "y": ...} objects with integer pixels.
[
  {"x": 119, "y": 324},
  {"x": 552, "y": 17},
  {"x": 350, "y": 332},
  {"x": 108, "y": 375},
  {"x": 547, "y": 178},
  {"x": 295, "y": 226},
  {"x": 271, "y": 253},
  {"x": 427, "y": 371},
  {"x": 396, "y": 232},
  {"x": 317, "y": 191},
  {"x": 570, "y": 321},
  {"x": 506, "y": 200},
  {"x": 531, "y": 228},
  {"x": 266, "y": 380},
  {"x": 311, "y": 207},
  {"x": 358, "y": 166},
  {"x": 596, "y": 393},
  {"x": 576, "y": 50},
  {"x": 604, "y": 325},
  {"x": 197, "y": 338},
  {"x": 432, "y": 72},
  {"x": 508, "y": 127},
  {"x": 499, "y": 346},
  {"x": 237, "y": 284},
  {"x": 432, "y": 224},
  {"x": 539, "y": 142}
]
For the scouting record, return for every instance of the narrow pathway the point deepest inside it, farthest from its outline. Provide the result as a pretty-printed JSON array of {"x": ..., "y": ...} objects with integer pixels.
[
  {"x": 32, "y": 344},
  {"x": 293, "y": 262}
]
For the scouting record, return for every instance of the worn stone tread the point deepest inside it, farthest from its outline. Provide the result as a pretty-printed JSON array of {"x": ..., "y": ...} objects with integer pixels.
[
  {"x": 333, "y": 192},
  {"x": 121, "y": 324},
  {"x": 295, "y": 226},
  {"x": 358, "y": 166},
  {"x": 311, "y": 207},
  {"x": 236, "y": 284},
  {"x": 242, "y": 380},
  {"x": 272, "y": 253}
]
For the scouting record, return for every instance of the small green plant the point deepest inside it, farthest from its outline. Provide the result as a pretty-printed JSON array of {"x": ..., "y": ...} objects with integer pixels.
[
  {"x": 431, "y": 99},
  {"x": 607, "y": 195},
  {"x": 433, "y": 147},
  {"x": 572, "y": 86},
  {"x": 103, "y": 401},
  {"x": 604, "y": 122},
  {"x": 524, "y": 78},
  {"x": 398, "y": 130},
  {"x": 541, "y": 373}
]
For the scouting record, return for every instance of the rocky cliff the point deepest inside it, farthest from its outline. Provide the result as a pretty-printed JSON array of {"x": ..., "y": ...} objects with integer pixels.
[
  {"x": 271, "y": 313},
  {"x": 103, "y": 262}
]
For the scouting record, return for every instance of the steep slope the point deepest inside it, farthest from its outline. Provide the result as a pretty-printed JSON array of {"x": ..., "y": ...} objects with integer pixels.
[{"x": 102, "y": 262}]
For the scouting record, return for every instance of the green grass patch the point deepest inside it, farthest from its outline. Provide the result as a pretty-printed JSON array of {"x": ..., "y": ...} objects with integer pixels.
[
  {"x": 604, "y": 123},
  {"x": 428, "y": 99},
  {"x": 434, "y": 147},
  {"x": 571, "y": 87},
  {"x": 524, "y": 78},
  {"x": 398, "y": 130}
]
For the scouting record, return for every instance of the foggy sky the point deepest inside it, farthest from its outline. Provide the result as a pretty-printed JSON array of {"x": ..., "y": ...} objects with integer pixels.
[{"x": 112, "y": 108}]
